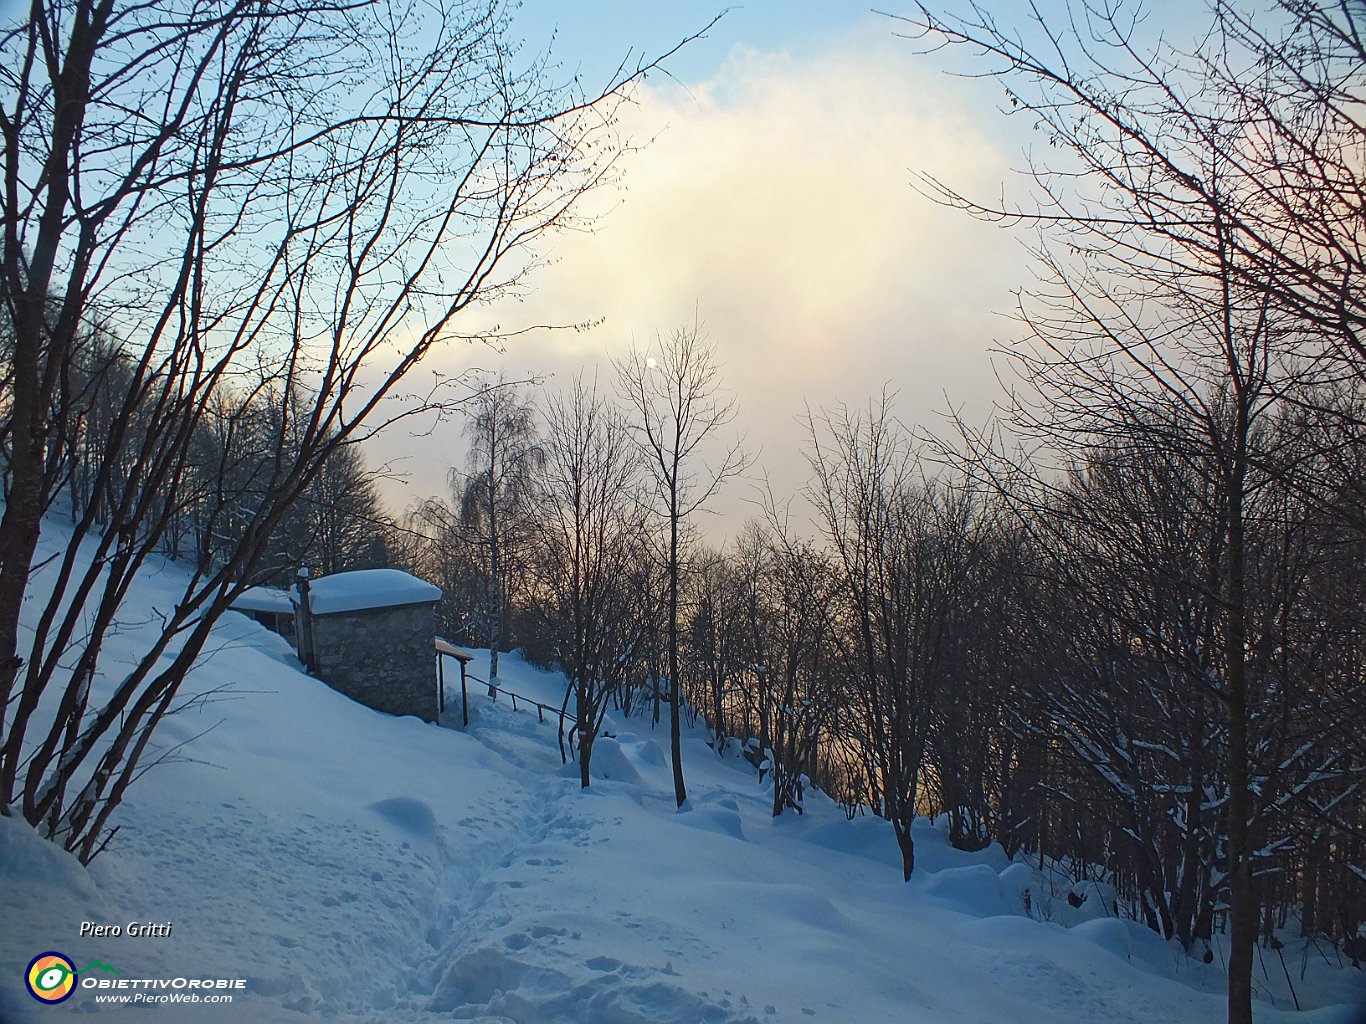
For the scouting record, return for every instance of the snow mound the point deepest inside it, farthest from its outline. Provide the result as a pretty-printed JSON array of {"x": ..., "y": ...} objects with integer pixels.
[
  {"x": 610, "y": 762},
  {"x": 975, "y": 889},
  {"x": 36, "y": 873},
  {"x": 1020, "y": 884},
  {"x": 645, "y": 751},
  {"x": 862, "y": 837},
  {"x": 39, "y": 866},
  {"x": 1086, "y": 901},
  {"x": 652, "y": 753},
  {"x": 722, "y": 819},
  {"x": 408, "y": 815},
  {"x": 1110, "y": 934}
]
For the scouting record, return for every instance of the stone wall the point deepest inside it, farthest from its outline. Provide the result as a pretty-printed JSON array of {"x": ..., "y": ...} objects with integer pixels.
[{"x": 382, "y": 657}]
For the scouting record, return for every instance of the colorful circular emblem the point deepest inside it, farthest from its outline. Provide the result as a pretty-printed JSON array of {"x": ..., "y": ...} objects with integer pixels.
[{"x": 51, "y": 977}]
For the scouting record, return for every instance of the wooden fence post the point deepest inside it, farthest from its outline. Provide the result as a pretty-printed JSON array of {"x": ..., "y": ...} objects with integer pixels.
[{"x": 464, "y": 695}]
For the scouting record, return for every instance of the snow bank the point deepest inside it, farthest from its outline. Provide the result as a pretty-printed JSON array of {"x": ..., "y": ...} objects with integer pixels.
[
  {"x": 722, "y": 818},
  {"x": 37, "y": 874},
  {"x": 1020, "y": 884},
  {"x": 975, "y": 889},
  {"x": 264, "y": 599}
]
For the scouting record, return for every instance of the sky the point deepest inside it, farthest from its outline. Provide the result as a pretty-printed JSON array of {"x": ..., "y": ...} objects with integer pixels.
[{"x": 775, "y": 205}]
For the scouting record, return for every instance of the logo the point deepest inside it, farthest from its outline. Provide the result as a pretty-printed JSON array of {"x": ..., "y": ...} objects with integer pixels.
[{"x": 51, "y": 977}]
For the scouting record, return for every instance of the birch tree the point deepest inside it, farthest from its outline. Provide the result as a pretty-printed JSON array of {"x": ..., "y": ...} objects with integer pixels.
[{"x": 504, "y": 457}]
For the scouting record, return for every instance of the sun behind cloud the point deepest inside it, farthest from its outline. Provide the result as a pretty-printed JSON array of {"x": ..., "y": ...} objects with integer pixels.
[{"x": 775, "y": 204}]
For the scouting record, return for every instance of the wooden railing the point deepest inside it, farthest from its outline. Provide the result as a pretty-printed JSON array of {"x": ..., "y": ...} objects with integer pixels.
[
  {"x": 541, "y": 709},
  {"x": 444, "y": 650}
]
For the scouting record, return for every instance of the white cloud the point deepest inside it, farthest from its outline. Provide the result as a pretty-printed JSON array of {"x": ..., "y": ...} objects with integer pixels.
[{"x": 776, "y": 202}]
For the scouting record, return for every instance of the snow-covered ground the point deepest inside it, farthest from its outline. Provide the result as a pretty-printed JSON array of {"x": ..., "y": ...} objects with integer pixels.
[{"x": 352, "y": 866}]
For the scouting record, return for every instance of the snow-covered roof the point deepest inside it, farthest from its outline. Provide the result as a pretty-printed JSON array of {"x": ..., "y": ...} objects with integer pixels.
[
  {"x": 264, "y": 599},
  {"x": 368, "y": 588},
  {"x": 446, "y": 647}
]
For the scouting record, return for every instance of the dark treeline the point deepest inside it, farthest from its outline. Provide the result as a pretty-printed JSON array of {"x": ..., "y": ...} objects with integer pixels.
[
  {"x": 1040, "y": 655},
  {"x": 1183, "y": 450},
  {"x": 101, "y": 464}
]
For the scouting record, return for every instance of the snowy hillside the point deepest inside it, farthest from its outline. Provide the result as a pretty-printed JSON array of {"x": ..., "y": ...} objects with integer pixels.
[{"x": 352, "y": 866}]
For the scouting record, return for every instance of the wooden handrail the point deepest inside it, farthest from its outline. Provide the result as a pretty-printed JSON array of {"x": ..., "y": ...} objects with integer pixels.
[
  {"x": 540, "y": 708},
  {"x": 447, "y": 650}
]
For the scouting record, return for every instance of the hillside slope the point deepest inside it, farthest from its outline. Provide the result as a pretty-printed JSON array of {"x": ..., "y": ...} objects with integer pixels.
[{"x": 351, "y": 866}]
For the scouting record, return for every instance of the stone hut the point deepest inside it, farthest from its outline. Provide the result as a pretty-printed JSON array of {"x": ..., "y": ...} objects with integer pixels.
[{"x": 370, "y": 634}]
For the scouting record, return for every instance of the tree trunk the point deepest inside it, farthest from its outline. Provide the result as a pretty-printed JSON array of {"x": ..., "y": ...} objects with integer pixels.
[
  {"x": 495, "y": 579},
  {"x": 584, "y": 713},
  {"x": 902, "y": 828},
  {"x": 25, "y": 501},
  {"x": 1242, "y": 894},
  {"x": 675, "y": 691}
]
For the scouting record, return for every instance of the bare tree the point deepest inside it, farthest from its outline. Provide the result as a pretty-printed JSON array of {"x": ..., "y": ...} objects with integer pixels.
[
  {"x": 589, "y": 533},
  {"x": 677, "y": 407},
  {"x": 438, "y": 547},
  {"x": 1288, "y": 81},
  {"x": 800, "y": 666},
  {"x": 1165, "y": 312},
  {"x": 503, "y": 459},
  {"x": 890, "y": 619},
  {"x": 712, "y": 641},
  {"x": 343, "y": 525},
  {"x": 292, "y": 201}
]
